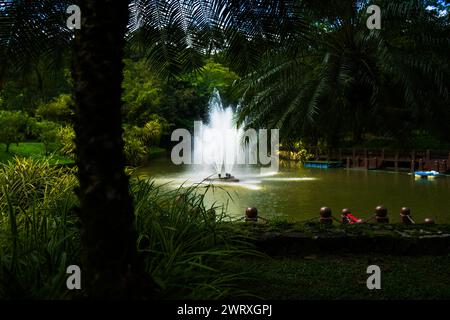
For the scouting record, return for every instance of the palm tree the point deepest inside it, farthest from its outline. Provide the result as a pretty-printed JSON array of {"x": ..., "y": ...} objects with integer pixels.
[
  {"x": 176, "y": 36},
  {"x": 30, "y": 31},
  {"x": 348, "y": 79},
  {"x": 108, "y": 235},
  {"x": 30, "y": 34}
]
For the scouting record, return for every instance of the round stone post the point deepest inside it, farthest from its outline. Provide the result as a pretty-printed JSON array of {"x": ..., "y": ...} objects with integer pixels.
[
  {"x": 251, "y": 214},
  {"x": 405, "y": 215},
  {"x": 381, "y": 214},
  {"x": 326, "y": 215}
]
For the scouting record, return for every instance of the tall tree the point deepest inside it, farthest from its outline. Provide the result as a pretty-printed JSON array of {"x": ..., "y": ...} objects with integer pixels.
[
  {"x": 109, "y": 255},
  {"x": 346, "y": 79},
  {"x": 32, "y": 39}
]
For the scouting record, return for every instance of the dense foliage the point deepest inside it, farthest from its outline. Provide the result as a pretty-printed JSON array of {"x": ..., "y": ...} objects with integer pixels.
[
  {"x": 347, "y": 82},
  {"x": 184, "y": 249},
  {"x": 12, "y": 127},
  {"x": 320, "y": 75}
]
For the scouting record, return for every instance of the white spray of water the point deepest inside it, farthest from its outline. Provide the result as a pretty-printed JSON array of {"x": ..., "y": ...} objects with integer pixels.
[{"x": 219, "y": 142}]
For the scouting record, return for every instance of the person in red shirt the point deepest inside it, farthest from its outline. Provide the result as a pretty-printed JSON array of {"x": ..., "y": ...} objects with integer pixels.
[{"x": 348, "y": 218}]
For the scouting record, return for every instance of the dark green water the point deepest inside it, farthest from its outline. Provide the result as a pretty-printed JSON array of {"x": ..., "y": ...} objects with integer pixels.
[{"x": 298, "y": 193}]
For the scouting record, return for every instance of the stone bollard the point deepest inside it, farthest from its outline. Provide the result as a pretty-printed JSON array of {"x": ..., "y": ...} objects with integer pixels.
[
  {"x": 325, "y": 215},
  {"x": 345, "y": 219},
  {"x": 428, "y": 221},
  {"x": 405, "y": 215},
  {"x": 251, "y": 214},
  {"x": 381, "y": 214}
]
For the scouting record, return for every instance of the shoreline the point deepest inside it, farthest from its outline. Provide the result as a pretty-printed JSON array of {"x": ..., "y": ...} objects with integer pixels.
[{"x": 306, "y": 238}]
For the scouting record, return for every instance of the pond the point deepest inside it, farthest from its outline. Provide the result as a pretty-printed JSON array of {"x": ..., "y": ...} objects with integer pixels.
[{"x": 297, "y": 193}]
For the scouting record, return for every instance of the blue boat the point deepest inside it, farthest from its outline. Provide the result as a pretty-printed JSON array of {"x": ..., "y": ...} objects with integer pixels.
[
  {"x": 426, "y": 174},
  {"x": 323, "y": 164}
]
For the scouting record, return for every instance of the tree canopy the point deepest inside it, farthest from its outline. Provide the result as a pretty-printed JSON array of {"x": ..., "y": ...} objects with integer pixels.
[{"x": 312, "y": 69}]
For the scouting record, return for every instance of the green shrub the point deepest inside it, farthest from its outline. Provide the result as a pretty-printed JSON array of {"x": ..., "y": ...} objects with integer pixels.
[
  {"x": 135, "y": 148},
  {"x": 47, "y": 132},
  {"x": 154, "y": 129},
  {"x": 27, "y": 182},
  {"x": 139, "y": 140},
  {"x": 296, "y": 150},
  {"x": 13, "y": 125},
  {"x": 38, "y": 237},
  {"x": 186, "y": 245},
  {"x": 58, "y": 110},
  {"x": 66, "y": 143}
]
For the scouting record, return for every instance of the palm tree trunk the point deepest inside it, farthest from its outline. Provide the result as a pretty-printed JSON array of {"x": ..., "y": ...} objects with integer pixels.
[{"x": 110, "y": 264}]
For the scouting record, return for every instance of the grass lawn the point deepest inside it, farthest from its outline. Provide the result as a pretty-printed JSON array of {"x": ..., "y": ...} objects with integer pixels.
[
  {"x": 344, "y": 277},
  {"x": 34, "y": 150}
]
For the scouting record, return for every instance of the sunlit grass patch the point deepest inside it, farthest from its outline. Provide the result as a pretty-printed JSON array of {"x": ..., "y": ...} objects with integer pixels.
[{"x": 33, "y": 150}]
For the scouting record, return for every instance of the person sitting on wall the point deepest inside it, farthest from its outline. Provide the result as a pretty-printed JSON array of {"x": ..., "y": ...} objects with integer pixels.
[{"x": 348, "y": 218}]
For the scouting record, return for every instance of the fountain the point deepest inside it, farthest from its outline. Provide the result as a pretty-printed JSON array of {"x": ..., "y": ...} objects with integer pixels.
[{"x": 217, "y": 144}]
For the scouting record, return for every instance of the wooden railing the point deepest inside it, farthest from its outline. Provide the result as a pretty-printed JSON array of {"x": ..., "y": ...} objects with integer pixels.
[{"x": 438, "y": 160}]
